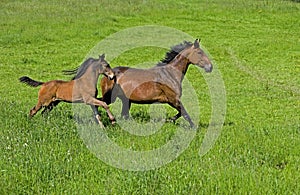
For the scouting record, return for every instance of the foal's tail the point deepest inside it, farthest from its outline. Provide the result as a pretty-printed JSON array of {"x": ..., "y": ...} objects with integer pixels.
[{"x": 30, "y": 81}]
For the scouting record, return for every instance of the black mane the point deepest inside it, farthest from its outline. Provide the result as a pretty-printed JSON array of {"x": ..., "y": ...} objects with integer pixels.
[
  {"x": 80, "y": 70},
  {"x": 175, "y": 50}
]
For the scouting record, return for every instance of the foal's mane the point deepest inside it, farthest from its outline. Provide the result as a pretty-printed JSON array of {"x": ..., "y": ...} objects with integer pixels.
[
  {"x": 174, "y": 51},
  {"x": 80, "y": 70}
]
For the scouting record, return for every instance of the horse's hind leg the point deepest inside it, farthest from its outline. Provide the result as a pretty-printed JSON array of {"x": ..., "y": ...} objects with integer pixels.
[
  {"x": 47, "y": 109},
  {"x": 42, "y": 102},
  {"x": 35, "y": 109}
]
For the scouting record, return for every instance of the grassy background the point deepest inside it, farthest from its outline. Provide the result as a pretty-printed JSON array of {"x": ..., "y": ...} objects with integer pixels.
[{"x": 256, "y": 45}]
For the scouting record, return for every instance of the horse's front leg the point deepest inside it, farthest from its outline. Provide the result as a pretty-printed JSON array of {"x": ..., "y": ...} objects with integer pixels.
[
  {"x": 186, "y": 116},
  {"x": 174, "y": 118},
  {"x": 181, "y": 112},
  {"x": 95, "y": 102},
  {"x": 97, "y": 115},
  {"x": 126, "y": 103}
]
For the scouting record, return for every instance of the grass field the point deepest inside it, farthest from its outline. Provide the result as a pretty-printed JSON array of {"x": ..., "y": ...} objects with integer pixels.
[{"x": 256, "y": 46}]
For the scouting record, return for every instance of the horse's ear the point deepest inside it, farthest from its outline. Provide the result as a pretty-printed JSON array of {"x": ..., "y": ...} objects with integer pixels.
[
  {"x": 196, "y": 43},
  {"x": 102, "y": 57}
]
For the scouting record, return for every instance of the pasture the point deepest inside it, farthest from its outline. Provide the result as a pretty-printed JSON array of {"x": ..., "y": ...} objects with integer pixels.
[{"x": 255, "y": 46}]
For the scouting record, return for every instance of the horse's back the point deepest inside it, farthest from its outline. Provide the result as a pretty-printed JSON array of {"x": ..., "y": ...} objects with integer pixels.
[
  {"x": 56, "y": 86},
  {"x": 136, "y": 75},
  {"x": 55, "y": 83}
]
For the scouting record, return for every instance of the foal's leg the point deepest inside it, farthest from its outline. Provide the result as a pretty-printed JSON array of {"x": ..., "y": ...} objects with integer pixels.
[
  {"x": 35, "y": 109},
  {"x": 43, "y": 101},
  {"x": 96, "y": 102},
  {"x": 97, "y": 115},
  {"x": 48, "y": 108},
  {"x": 181, "y": 112}
]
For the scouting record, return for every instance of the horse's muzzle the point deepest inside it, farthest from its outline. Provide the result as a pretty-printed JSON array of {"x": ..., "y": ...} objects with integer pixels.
[
  {"x": 208, "y": 67},
  {"x": 111, "y": 76}
]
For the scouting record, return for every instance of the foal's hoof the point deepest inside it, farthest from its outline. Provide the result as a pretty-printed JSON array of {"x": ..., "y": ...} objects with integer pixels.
[
  {"x": 30, "y": 116},
  {"x": 101, "y": 125},
  {"x": 98, "y": 120},
  {"x": 113, "y": 122}
]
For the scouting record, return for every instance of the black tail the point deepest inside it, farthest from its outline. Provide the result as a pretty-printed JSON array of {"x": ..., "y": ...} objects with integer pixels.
[{"x": 30, "y": 82}]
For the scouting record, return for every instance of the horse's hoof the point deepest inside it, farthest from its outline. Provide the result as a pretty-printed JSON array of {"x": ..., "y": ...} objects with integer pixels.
[
  {"x": 125, "y": 116},
  {"x": 193, "y": 126},
  {"x": 170, "y": 120}
]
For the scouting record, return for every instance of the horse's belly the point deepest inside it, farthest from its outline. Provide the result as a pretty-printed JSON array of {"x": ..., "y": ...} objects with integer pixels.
[{"x": 146, "y": 92}]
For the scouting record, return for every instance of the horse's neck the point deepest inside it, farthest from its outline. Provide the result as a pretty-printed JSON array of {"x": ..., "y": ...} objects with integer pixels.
[
  {"x": 91, "y": 76},
  {"x": 181, "y": 64}
]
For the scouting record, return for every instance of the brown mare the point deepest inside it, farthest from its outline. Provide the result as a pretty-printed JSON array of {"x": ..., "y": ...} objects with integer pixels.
[
  {"x": 162, "y": 83},
  {"x": 81, "y": 89}
]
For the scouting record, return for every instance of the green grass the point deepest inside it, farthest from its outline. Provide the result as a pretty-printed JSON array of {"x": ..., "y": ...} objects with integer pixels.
[{"x": 256, "y": 46}]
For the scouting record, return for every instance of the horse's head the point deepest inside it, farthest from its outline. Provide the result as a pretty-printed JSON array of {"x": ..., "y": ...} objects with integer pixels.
[
  {"x": 105, "y": 67},
  {"x": 198, "y": 57}
]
